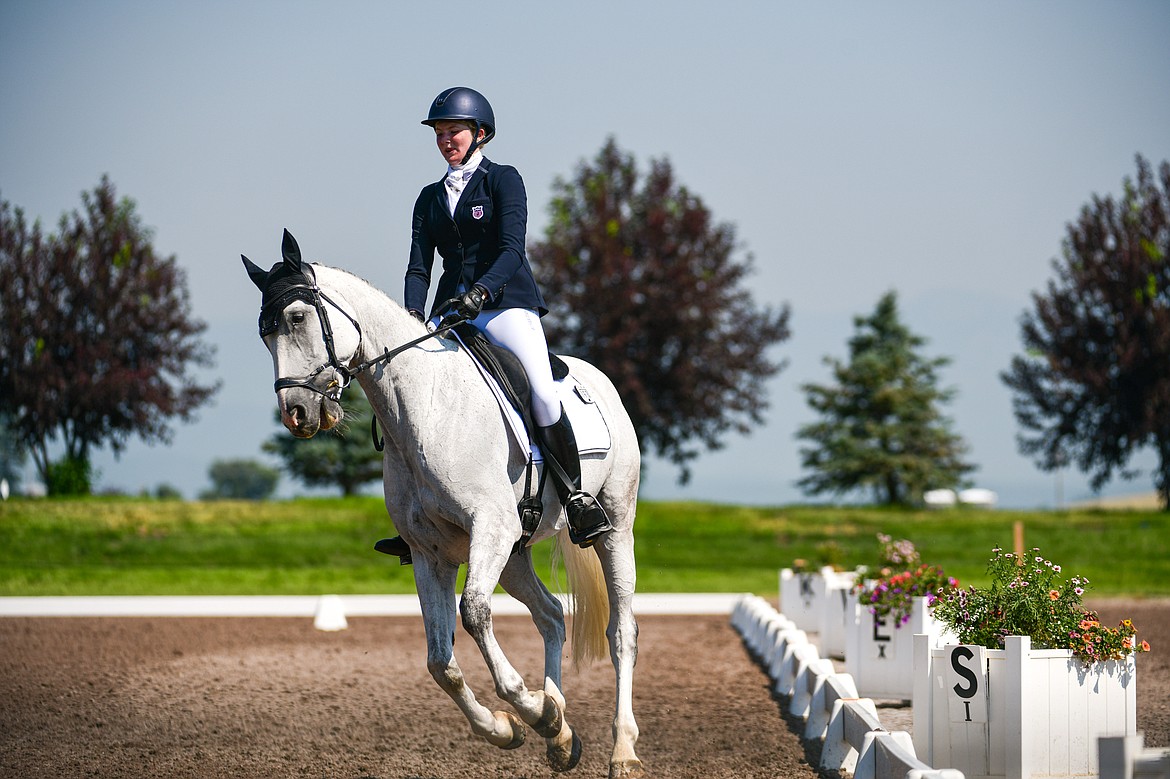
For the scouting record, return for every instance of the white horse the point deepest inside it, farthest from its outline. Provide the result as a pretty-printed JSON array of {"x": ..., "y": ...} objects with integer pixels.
[{"x": 453, "y": 477}]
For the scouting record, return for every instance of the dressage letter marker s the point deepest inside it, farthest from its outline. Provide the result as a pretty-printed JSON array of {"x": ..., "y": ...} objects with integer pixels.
[{"x": 966, "y": 683}]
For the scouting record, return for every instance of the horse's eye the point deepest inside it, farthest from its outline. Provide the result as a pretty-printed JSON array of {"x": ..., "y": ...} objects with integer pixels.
[{"x": 296, "y": 318}]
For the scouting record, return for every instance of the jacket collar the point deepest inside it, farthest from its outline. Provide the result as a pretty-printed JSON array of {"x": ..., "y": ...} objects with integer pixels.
[{"x": 441, "y": 190}]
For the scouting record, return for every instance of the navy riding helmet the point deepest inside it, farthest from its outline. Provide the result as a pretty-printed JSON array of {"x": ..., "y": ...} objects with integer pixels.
[{"x": 465, "y": 105}]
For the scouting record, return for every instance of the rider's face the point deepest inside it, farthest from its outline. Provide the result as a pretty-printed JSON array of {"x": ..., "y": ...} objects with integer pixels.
[{"x": 453, "y": 140}]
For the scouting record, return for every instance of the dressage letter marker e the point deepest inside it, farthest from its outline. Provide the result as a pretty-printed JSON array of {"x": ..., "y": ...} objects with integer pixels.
[
  {"x": 882, "y": 641},
  {"x": 966, "y": 681}
]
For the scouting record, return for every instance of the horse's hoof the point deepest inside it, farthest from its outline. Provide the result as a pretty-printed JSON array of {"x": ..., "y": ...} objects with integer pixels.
[
  {"x": 517, "y": 726},
  {"x": 626, "y": 769},
  {"x": 559, "y": 762},
  {"x": 549, "y": 724}
]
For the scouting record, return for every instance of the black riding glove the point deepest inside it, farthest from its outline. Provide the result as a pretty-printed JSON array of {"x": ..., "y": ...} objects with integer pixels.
[{"x": 471, "y": 303}]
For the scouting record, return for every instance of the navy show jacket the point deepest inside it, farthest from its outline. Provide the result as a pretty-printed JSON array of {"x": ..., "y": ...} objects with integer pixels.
[{"x": 483, "y": 243}]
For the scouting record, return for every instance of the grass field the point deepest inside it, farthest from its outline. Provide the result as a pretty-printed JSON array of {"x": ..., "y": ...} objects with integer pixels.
[{"x": 121, "y": 546}]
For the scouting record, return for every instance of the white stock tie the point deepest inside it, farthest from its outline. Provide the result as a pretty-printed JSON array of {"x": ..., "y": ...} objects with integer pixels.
[{"x": 457, "y": 180}]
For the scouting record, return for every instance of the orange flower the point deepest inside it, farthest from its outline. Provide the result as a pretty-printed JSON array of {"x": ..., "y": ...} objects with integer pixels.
[
  {"x": 1053, "y": 595},
  {"x": 1145, "y": 646}
]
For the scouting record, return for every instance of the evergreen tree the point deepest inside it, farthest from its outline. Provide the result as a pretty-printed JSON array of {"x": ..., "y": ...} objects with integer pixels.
[
  {"x": 1094, "y": 384},
  {"x": 644, "y": 284},
  {"x": 343, "y": 456},
  {"x": 880, "y": 427}
]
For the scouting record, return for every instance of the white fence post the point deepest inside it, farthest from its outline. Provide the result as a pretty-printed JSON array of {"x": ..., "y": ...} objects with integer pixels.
[
  {"x": 834, "y": 615},
  {"x": 848, "y": 724}
]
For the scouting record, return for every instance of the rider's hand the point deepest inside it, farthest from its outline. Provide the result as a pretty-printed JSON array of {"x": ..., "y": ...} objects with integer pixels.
[
  {"x": 471, "y": 303},
  {"x": 414, "y": 312}
]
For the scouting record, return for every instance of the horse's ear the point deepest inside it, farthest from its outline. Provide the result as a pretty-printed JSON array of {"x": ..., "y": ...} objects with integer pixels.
[
  {"x": 258, "y": 275},
  {"x": 291, "y": 252}
]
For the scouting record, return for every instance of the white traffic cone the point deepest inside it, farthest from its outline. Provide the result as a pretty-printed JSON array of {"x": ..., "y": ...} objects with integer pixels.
[{"x": 330, "y": 614}]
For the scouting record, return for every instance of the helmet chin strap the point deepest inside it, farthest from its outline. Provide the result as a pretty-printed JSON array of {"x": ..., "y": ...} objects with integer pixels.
[{"x": 474, "y": 143}]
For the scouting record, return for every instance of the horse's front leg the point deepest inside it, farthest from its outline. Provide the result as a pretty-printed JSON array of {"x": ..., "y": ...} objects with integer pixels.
[
  {"x": 435, "y": 582},
  {"x": 488, "y": 555},
  {"x": 548, "y": 614}
]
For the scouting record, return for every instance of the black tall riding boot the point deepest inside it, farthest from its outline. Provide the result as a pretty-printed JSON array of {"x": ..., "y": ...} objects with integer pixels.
[{"x": 587, "y": 519}]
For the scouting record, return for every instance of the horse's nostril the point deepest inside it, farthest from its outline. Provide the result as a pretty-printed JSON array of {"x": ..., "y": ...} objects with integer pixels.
[{"x": 296, "y": 415}]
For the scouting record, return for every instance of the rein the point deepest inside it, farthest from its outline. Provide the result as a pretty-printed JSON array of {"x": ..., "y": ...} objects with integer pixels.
[{"x": 315, "y": 381}]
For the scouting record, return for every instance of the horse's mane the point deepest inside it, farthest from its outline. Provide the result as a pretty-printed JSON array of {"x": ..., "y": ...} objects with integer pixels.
[{"x": 366, "y": 282}]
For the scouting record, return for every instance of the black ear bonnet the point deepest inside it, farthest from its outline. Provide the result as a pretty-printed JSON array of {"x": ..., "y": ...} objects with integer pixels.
[{"x": 283, "y": 286}]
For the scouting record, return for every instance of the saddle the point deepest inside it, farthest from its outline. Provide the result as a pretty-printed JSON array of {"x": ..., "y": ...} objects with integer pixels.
[{"x": 505, "y": 367}]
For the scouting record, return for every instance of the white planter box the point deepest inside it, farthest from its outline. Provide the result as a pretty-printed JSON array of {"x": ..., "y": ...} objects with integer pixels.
[
  {"x": 802, "y": 596},
  {"x": 835, "y": 614},
  {"x": 1017, "y": 712},
  {"x": 879, "y": 656}
]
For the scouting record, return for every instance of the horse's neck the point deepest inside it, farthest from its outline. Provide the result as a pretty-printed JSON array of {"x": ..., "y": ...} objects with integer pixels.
[{"x": 400, "y": 385}]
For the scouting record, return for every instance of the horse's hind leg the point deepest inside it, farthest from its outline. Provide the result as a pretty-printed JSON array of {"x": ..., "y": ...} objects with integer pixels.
[
  {"x": 522, "y": 583},
  {"x": 436, "y": 595},
  {"x": 616, "y": 552}
]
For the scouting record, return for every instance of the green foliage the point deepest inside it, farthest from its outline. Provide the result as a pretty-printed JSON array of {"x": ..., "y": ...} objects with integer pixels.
[
  {"x": 880, "y": 427},
  {"x": 1093, "y": 386},
  {"x": 309, "y": 546},
  {"x": 889, "y": 588},
  {"x": 644, "y": 284},
  {"x": 241, "y": 480},
  {"x": 69, "y": 477},
  {"x": 1029, "y": 596},
  {"x": 96, "y": 336},
  {"x": 343, "y": 456},
  {"x": 167, "y": 492}
]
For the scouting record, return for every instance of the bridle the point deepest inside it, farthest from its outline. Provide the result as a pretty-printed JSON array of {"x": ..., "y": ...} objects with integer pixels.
[{"x": 318, "y": 381}]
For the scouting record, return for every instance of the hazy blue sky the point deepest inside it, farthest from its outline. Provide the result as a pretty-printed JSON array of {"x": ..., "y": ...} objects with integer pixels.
[{"x": 937, "y": 149}]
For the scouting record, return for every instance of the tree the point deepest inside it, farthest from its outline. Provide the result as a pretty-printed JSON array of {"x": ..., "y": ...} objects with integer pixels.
[
  {"x": 880, "y": 426},
  {"x": 645, "y": 285},
  {"x": 12, "y": 454},
  {"x": 241, "y": 480},
  {"x": 96, "y": 335},
  {"x": 1093, "y": 386},
  {"x": 344, "y": 457}
]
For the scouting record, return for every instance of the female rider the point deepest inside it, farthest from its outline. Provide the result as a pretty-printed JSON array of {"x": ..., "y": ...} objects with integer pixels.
[{"x": 476, "y": 218}]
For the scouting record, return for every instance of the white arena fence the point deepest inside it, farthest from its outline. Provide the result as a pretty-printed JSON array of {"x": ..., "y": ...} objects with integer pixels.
[{"x": 853, "y": 739}]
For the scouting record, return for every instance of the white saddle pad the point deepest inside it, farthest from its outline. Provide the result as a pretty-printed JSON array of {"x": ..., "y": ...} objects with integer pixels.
[{"x": 589, "y": 427}]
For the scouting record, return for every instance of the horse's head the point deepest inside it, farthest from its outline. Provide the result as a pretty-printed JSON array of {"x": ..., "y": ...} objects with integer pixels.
[{"x": 309, "y": 357}]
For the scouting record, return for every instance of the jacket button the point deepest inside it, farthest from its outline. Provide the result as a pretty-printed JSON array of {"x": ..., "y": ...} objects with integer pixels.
[{"x": 458, "y": 246}]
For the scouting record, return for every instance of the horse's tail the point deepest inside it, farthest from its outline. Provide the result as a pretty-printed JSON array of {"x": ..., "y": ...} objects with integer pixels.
[{"x": 588, "y": 599}]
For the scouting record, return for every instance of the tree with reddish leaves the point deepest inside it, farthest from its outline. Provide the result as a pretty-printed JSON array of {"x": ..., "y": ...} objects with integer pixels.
[
  {"x": 1093, "y": 387},
  {"x": 96, "y": 336},
  {"x": 644, "y": 284}
]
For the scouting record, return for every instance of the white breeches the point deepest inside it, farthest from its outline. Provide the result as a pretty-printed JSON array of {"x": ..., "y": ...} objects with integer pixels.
[{"x": 519, "y": 331}]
